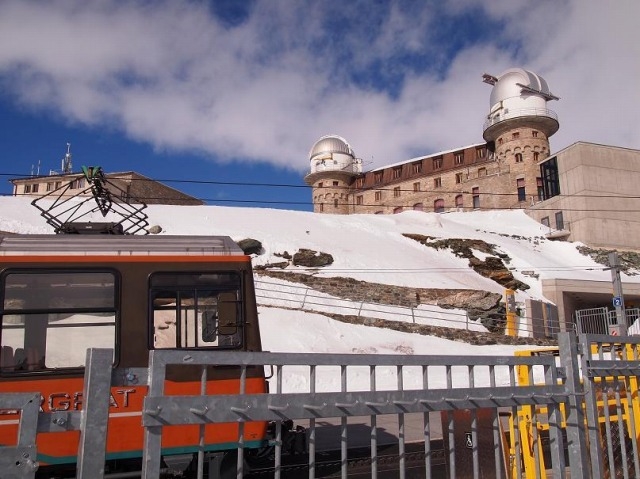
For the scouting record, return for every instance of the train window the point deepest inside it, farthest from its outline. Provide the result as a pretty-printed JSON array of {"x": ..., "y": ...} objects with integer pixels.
[
  {"x": 196, "y": 310},
  {"x": 50, "y": 318}
]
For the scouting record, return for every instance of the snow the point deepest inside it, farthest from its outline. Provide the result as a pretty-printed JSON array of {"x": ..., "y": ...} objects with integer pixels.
[{"x": 369, "y": 248}]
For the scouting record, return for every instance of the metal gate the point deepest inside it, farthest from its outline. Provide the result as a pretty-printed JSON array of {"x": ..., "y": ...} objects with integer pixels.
[{"x": 494, "y": 416}]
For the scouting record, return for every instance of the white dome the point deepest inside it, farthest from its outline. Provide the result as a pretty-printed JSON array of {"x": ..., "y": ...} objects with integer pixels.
[
  {"x": 518, "y": 83},
  {"x": 333, "y": 153},
  {"x": 330, "y": 144}
]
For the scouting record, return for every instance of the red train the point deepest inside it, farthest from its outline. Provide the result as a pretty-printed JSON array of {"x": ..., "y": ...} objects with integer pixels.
[{"x": 62, "y": 294}]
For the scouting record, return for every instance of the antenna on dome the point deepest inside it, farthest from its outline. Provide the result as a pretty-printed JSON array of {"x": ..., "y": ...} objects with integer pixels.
[{"x": 67, "y": 167}]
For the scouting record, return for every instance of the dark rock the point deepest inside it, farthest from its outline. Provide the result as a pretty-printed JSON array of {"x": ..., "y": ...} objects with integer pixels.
[
  {"x": 311, "y": 259},
  {"x": 250, "y": 246},
  {"x": 155, "y": 229}
]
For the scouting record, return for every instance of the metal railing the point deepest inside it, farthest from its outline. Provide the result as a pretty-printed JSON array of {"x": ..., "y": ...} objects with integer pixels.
[
  {"x": 598, "y": 320},
  {"x": 518, "y": 112},
  {"x": 580, "y": 401}
]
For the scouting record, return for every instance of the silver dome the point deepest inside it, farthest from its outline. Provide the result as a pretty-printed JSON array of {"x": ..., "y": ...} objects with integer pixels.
[
  {"x": 516, "y": 81},
  {"x": 330, "y": 144}
]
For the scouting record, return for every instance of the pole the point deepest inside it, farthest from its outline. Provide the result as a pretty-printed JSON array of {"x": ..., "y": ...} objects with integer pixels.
[
  {"x": 620, "y": 327},
  {"x": 510, "y": 300}
]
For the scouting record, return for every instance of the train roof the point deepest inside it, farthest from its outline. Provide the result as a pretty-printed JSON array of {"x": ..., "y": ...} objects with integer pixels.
[{"x": 120, "y": 245}]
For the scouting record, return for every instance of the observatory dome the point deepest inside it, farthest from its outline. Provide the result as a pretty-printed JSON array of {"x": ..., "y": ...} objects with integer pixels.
[
  {"x": 329, "y": 144},
  {"x": 333, "y": 153},
  {"x": 511, "y": 82}
]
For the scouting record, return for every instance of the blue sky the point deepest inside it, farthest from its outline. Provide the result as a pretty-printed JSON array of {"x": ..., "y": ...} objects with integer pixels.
[{"x": 236, "y": 93}]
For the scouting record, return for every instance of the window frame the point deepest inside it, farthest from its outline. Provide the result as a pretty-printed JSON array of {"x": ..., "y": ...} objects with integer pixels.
[
  {"x": 240, "y": 312},
  {"x": 115, "y": 309}
]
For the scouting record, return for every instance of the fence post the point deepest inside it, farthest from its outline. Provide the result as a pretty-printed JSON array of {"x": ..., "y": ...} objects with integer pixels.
[
  {"x": 575, "y": 418},
  {"x": 95, "y": 413},
  {"x": 304, "y": 299}
]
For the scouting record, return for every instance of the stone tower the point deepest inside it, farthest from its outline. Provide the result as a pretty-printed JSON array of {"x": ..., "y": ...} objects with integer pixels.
[
  {"x": 333, "y": 170},
  {"x": 517, "y": 129}
]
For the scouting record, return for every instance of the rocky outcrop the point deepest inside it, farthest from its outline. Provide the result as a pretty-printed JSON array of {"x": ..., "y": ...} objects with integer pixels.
[
  {"x": 311, "y": 259},
  {"x": 629, "y": 260},
  {"x": 492, "y": 267}
]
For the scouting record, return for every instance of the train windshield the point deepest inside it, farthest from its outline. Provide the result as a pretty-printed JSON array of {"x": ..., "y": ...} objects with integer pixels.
[
  {"x": 50, "y": 318},
  {"x": 196, "y": 310}
]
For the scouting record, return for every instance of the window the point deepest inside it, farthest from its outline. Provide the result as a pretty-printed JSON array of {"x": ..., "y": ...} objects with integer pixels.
[
  {"x": 458, "y": 178},
  {"x": 534, "y": 134},
  {"x": 35, "y": 188},
  {"x": 397, "y": 210},
  {"x": 522, "y": 195},
  {"x": 459, "y": 202},
  {"x": 378, "y": 195},
  {"x": 437, "y": 163},
  {"x": 360, "y": 182},
  {"x": 515, "y": 135},
  {"x": 482, "y": 172},
  {"x": 49, "y": 186},
  {"x": 476, "y": 197},
  {"x": 499, "y": 141},
  {"x": 559, "y": 221},
  {"x": 359, "y": 200},
  {"x": 321, "y": 207},
  {"x": 320, "y": 185},
  {"x": 336, "y": 183},
  {"x": 27, "y": 188},
  {"x": 518, "y": 157},
  {"x": 438, "y": 206},
  {"x": 536, "y": 156},
  {"x": 540, "y": 189},
  {"x": 416, "y": 187},
  {"x": 545, "y": 221},
  {"x": 418, "y": 207},
  {"x": 416, "y": 167},
  {"x": 196, "y": 310},
  {"x": 396, "y": 192},
  {"x": 58, "y": 184},
  {"x": 397, "y": 172},
  {"x": 50, "y": 317},
  {"x": 458, "y": 158},
  {"x": 377, "y": 177},
  {"x": 335, "y": 203},
  {"x": 437, "y": 182},
  {"x": 481, "y": 153},
  {"x": 550, "y": 178}
]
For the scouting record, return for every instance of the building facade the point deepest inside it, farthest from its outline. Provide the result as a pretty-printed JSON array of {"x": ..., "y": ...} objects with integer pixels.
[
  {"x": 590, "y": 195},
  {"x": 132, "y": 186},
  {"x": 501, "y": 172}
]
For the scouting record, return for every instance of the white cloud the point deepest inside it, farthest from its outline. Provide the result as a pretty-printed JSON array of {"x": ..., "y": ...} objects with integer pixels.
[{"x": 173, "y": 75}]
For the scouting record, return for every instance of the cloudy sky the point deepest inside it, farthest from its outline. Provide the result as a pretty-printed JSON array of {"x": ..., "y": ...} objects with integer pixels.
[{"x": 237, "y": 92}]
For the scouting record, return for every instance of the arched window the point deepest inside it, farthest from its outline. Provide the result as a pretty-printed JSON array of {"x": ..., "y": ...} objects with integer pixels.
[
  {"x": 418, "y": 207},
  {"x": 397, "y": 210},
  {"x": 459, "y": 202},
  {"x": 438, "y": 206},
  {"x": 518, "y": 157}
]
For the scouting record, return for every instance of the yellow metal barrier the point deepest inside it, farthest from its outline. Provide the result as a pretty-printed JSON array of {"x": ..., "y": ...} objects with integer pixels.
[{"x": 531, "y": 427}]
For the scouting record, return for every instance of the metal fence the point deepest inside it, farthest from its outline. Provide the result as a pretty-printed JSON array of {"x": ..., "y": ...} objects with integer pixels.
[
  {"x": 598, "y": 320},
  {"x": 566, "y": 412}
]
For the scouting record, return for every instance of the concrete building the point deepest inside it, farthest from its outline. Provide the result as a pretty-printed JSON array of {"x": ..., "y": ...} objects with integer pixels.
[{"x": 591, "y": 195}]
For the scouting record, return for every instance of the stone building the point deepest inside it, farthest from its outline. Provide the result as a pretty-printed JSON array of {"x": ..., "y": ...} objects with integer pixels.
[
  {"x": 131, "y": 185},
  {"x": 501, "y": 172}
]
